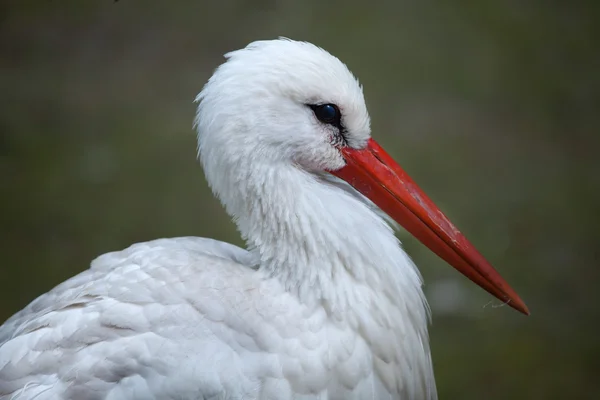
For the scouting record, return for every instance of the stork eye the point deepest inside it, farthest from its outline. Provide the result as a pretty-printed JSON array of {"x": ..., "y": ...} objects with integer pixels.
[{"x": 327, "y": 113}]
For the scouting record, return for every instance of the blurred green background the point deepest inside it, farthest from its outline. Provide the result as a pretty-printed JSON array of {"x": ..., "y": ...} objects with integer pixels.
[{"x": 492, "y": 106}]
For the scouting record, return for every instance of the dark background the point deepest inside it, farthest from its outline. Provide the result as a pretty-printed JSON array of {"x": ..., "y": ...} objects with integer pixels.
[{"x": 492, "y": 106}]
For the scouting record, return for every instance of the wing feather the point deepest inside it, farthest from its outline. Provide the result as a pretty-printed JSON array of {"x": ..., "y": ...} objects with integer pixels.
[{"x": 184, "y": 318}]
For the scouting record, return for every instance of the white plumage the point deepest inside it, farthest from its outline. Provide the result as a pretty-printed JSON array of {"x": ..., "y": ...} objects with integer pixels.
[{"x": 324, "y": 304}]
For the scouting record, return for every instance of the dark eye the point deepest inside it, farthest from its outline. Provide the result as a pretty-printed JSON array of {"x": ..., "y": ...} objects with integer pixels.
[{"x": 327, "y": 113}]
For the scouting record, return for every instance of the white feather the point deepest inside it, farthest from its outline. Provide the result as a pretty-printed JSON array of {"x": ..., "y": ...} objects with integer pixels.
[{"x": 324, "y": 304}]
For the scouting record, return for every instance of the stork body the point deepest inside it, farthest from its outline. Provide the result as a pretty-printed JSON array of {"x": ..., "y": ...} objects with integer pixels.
[{"x": 324, "y": 304}]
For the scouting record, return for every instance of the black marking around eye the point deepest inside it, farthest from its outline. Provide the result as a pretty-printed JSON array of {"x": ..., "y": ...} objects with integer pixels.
[{"x": 330, "y": 114}]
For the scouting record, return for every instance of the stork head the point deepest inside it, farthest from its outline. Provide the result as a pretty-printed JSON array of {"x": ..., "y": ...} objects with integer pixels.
[
  {"x": 287, "y": 103},
  {"x": 283, "y": 101}
]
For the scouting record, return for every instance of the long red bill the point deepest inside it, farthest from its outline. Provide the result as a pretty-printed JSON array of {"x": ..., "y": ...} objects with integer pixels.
[{"x": 376, "y": 175}]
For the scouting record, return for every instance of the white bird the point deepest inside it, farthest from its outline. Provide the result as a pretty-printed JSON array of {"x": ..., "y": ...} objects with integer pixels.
[{"x": 324, "y": 303}]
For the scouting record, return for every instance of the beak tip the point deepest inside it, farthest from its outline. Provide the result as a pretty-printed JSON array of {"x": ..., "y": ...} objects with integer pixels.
[
  {"x": 522, "y": 307},
  {"x": 518, "y": 304}
]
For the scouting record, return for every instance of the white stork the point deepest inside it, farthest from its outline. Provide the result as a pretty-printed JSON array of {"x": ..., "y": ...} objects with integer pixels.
[{"x": 323, "y": 304}]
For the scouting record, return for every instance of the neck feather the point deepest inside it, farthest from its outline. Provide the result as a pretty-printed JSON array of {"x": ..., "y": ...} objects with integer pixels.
[{"x": 324, "y": 243}]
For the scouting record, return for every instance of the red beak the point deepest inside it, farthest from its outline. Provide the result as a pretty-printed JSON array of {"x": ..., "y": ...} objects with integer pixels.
[{"x": 376, "y": 175}]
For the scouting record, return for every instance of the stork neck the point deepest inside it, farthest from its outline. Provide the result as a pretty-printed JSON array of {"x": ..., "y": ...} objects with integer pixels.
[{"x": 324, "y": 244}]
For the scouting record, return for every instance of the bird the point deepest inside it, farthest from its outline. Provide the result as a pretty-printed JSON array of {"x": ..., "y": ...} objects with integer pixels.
[{"x": 323, "y": 303}]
